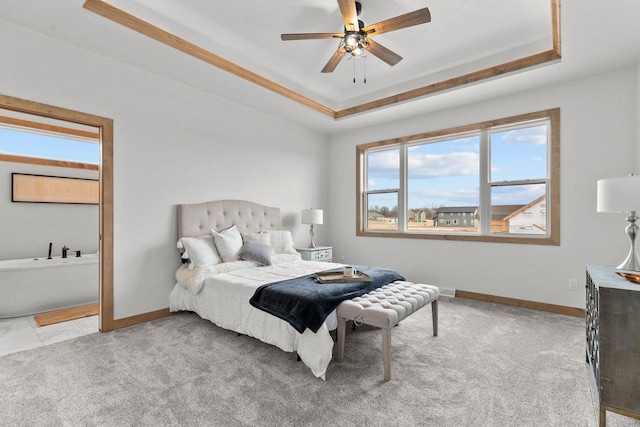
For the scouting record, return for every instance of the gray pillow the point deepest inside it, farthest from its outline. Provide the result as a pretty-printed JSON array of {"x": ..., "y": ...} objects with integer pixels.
[{"x": 257, "y": 252}]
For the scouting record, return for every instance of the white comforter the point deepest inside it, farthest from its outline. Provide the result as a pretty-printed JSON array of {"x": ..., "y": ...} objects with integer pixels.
[{"x": 221, "y": 294}]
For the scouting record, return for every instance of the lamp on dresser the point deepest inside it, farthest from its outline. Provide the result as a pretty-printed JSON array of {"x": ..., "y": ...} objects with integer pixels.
[
  {"x": 312, "y": 217},
  {"x": 622, "y": 194}
]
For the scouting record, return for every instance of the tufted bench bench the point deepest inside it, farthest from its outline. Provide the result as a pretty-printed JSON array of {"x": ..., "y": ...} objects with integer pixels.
[{"x": 384, "y": 308}]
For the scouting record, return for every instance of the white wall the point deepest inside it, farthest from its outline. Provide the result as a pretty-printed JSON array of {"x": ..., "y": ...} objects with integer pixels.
[
  {"x": 598, "y": 139},
  {"x": 27, "y": 228},
  {"x": 172, "y": 144},
  {"x": 637, "y": 171}
]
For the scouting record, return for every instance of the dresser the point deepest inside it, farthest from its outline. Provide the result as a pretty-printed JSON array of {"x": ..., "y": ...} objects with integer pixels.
[
  {"x": 613, "y": 342},
  {"x": 321, "y": 253}
]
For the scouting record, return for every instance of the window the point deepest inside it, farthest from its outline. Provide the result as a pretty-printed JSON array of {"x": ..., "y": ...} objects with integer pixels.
[
  {"x": 24, "y": 138},
  {"x": 502, "y": 175},
  {"x": 382, "y": 194}
]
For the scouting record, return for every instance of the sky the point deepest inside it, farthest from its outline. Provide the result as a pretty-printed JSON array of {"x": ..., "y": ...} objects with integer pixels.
[
  {"x": 446, "y": 173},
  {"x": 36, "y": 145}
]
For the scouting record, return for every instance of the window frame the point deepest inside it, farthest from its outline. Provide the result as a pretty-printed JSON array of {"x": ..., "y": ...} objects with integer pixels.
[
  {"x": 552, "y": 192},
  {"x": 56, "y": 131}
]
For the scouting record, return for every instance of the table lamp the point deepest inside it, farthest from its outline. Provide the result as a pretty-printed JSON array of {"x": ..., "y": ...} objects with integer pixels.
[
  {"x": 312, "y": 216},
  {"x": 622, "y": 195}
]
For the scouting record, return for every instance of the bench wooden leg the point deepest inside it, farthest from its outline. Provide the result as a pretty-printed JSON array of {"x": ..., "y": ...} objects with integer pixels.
[
  {"x": 342, "y": 326},
  {"x": 434, "y": 315},
  {"x": 386, "y": 352}
]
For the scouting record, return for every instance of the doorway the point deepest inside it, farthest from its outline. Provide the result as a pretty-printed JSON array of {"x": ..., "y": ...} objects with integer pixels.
[{"x": 104, "y": 127}]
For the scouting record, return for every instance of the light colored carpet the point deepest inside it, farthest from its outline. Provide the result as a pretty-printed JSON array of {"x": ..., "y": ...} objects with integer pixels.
[{"x": 491, "y": 365}]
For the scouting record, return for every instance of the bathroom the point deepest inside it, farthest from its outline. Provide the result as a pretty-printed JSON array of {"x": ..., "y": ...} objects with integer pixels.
[{"x": 30, "y": 282}]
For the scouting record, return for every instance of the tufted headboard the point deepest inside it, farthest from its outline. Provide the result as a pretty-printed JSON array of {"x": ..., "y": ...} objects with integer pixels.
[{"x": 198, "y": 219}]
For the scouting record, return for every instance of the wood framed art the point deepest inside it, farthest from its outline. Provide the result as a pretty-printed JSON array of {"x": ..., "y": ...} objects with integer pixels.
[{"x": 54, "y": 189}]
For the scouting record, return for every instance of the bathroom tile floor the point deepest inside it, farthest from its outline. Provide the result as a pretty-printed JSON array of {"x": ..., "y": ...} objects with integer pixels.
[{"x": 22, "y": 333}]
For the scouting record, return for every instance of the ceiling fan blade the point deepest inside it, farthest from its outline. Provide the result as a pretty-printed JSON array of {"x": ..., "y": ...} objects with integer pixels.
[
  {"x": 383, "y": 53},
  {"x": 308, "y": 36},
  {"x": 349, "y": 14},
  {"x": 334, "y": 61},
  {"x": 421, "y": 16}
]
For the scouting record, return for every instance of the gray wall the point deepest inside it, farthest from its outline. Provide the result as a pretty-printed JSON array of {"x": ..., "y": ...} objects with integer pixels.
[{"x": 27, "y": 228}]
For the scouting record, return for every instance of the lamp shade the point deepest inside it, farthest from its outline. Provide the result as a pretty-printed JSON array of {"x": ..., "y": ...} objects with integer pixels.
[
  {"x": 619, "y": 194},
  {"x": 311, "y": 216}
]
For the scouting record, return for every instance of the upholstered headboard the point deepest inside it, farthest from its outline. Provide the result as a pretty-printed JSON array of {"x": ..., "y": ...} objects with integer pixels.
[{"x": 198, "y": 219}]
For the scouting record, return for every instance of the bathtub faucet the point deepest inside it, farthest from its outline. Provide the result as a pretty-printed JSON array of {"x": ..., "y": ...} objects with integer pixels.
[{"x": 64, "y": 251}]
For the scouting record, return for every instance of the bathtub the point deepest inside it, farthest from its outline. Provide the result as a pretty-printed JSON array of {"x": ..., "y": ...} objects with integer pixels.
[{"x": 31, "y": 286}]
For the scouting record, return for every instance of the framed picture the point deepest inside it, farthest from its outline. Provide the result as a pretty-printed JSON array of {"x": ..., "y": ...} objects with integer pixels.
[{"x": 54, "y": 189}]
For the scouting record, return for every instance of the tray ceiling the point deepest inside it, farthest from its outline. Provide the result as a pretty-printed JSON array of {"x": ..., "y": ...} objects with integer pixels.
[{"x": 465, "y": 42}]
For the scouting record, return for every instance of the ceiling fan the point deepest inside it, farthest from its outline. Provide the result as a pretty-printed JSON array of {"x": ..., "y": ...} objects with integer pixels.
[{"x": 356, "y": 39}]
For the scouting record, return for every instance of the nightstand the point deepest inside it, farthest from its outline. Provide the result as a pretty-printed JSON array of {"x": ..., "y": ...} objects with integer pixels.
[{"x": 321, "y": 253}]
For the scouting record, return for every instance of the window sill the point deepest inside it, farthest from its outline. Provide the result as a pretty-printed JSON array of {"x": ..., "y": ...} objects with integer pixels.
[{"x": 553, "y": 240}]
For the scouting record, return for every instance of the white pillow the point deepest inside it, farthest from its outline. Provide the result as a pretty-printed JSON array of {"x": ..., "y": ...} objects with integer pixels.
[
  {"x": 257, "y": 237},
  {"x": 228, "y": 243},
  {"x": 282, "y": 242},
  {"x": 201, "y": 251}
]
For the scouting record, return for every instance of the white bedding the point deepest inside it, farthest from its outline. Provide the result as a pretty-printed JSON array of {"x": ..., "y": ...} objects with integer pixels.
[{"x": 224, "y": 300}]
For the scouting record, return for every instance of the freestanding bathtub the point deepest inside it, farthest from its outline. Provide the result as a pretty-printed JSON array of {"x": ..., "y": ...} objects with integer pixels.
[{"x": 30, "y": 286}]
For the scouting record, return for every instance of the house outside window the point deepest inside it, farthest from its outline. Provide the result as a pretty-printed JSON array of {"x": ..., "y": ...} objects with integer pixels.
[{"x": 502, "y": 175}]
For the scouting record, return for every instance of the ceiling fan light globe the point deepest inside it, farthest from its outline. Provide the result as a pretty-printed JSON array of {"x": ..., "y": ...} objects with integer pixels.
[{"x": 351, "y": 40}]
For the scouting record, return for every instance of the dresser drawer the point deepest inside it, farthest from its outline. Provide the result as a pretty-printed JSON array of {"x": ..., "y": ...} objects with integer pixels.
[
  {"x": 321, "y": 255},
  {"x": 317, "y": 254}
]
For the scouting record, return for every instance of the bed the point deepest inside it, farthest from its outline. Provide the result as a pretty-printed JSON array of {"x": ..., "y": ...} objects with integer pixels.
[{"x": 220, "y": 291}]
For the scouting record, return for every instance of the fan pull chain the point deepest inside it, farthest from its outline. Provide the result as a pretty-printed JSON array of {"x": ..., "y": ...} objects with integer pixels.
[
  {"x": 365, "y": 70},
  {"x": 354, "y": 71}
]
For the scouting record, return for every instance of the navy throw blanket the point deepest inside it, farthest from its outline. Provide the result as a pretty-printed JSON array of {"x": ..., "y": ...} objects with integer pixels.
[{"x": 305, "y": 303}]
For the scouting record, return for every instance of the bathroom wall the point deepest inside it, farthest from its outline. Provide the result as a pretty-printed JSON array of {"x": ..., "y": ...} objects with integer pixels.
[{"x": 27, "y": 228}]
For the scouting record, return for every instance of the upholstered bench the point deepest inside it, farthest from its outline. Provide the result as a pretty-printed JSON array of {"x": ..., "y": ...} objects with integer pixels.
[{"x": 384, "y": 308}]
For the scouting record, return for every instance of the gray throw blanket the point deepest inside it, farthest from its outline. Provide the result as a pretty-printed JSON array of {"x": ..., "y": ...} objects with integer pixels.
[{"x": 305, "y": 303}]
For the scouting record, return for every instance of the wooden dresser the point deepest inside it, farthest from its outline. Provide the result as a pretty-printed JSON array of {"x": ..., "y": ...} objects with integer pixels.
[{"x": 613, "y": 342}]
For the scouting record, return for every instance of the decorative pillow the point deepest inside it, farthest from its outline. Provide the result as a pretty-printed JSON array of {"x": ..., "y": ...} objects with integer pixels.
[
  {"x": 256, "y": 251},
  {"x": 282, "y": 242},
  {"x": 228, "y": 243},
  {"x": 257, "y": 237},
  {"x": 201, "y": 251}
]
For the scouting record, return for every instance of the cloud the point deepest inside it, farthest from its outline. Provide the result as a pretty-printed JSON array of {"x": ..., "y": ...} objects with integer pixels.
[
  {"x": 464, "y": 161},
  {"x": 384, "y": 164},
  {"x": 442, "y": 165},
  {"x": 447, "y": 197},
  {"x": 537, "y": 135},
  {"x": 517, "y": 194},
  {"x": 426, "y": 166}
]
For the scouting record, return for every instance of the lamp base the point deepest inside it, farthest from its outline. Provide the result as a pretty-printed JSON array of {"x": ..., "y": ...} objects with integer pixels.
[
  {"x": 312, "y": 244},
  {"x": 632, "y": 262}
]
